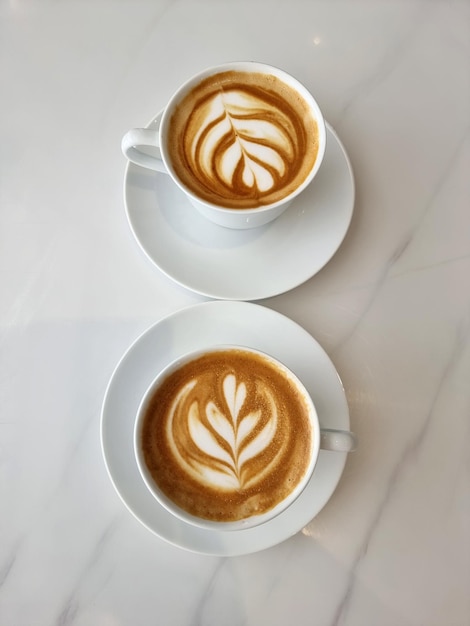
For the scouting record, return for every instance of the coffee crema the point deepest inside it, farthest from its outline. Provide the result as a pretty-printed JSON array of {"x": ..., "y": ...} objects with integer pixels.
[
  {"x": 243, "y": 139},
  {"x": 227, "y": 435}
]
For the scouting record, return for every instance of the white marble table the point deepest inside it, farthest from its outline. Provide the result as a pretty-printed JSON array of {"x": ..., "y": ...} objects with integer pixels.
[{"x": 391, "y": 309}]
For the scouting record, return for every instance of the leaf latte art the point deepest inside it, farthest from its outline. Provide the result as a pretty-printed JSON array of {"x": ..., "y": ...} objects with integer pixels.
[
  {"x": 227, "y": 435},
  {"x": 225, "y": 440},
  {"x": 243, "y": 140},
  {"x": 242, "y": 143}
]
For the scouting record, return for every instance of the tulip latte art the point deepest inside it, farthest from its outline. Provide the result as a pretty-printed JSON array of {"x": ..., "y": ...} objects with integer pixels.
[
  {"x": 243, "y": 139},
  {"x": 227, "y": 435}
]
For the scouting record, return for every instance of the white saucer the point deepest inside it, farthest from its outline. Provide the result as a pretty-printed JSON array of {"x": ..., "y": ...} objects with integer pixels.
[
  {"x": 219, "y": 322},
  {"x": 242, "y": 264}
]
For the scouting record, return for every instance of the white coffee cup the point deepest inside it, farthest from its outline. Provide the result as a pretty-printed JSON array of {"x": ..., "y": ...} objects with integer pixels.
[
  {"x": 333, "y": 440},
  {"x": 136, "y": 140}
]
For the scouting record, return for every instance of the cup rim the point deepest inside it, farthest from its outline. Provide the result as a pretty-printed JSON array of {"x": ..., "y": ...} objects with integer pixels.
[
  {"x": 167, "y": 502},
  {"x": 246, "y": 66}
]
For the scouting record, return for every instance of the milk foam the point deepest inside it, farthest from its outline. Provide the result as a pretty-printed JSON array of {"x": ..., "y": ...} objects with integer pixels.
[
  {"x": 224, "y": 438},
  {"x": 241, "y": 133},
  {"x": 242, "y": 139},
  {"x": 227, "y": 435}
]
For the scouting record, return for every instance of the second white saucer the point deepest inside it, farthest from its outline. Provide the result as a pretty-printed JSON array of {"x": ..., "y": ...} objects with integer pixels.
[
  {"x": 242, "y": 264},
  {"x": 192, "y": 328}
]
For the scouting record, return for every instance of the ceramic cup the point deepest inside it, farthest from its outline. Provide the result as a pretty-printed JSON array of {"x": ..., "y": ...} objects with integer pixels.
[
  {"x": 242, "y": 158},
  {"x": 228, "y": 437}
]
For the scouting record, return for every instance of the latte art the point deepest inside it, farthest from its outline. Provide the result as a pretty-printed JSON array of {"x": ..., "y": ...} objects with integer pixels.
[
  {"x": 224, "y": 442},
  {"x": 243, "y": 139},
  {"x": 227, "y": 436},
  {"x": 242, "y": 142}
]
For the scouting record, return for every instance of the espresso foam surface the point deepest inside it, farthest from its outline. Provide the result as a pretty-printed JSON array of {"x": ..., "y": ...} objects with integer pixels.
[
  {"x": 227, "y": 436},
  {"x": 242, "y": 139}
]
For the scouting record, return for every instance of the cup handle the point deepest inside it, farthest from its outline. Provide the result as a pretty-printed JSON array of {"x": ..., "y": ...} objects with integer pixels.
[
  {"x": 338, "y": 440},
  {"x": 137, "y": 138}
]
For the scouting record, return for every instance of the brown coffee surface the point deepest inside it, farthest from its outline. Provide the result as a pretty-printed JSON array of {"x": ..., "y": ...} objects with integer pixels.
[
  {"x": 227, "y": 436},
  {"x": 243, "y": 139}
]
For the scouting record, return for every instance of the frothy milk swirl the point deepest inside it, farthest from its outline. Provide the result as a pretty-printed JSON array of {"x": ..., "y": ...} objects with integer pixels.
[
  {"x": 243, "y": 142},
  {"x": 242, "y": 139},
  {"x": 225, "y": 437}
]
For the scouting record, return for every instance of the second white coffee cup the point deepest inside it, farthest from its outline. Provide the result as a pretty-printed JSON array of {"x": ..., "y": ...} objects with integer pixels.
[{"x": 231, "y": 432}]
